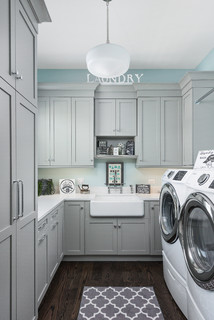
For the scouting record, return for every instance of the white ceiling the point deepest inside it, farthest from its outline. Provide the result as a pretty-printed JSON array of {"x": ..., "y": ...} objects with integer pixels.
[{"x": 159, "y": 34}]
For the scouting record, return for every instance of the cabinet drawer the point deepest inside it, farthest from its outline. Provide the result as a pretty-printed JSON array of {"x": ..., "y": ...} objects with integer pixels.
[{"x": 42, "y": 228}]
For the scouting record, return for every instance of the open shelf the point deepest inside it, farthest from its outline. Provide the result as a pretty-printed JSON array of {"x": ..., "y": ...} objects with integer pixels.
[{"x": 109, "y": 156}]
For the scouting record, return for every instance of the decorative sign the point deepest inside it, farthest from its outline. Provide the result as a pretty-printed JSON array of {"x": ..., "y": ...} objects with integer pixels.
[
  {"x": 114, "y": 173},
  {"x": 66, "y": 186},
  {"x": 142, "y": 188},
  {"x": 127, "y": 78},
  {"x": 205, "y": 159}
]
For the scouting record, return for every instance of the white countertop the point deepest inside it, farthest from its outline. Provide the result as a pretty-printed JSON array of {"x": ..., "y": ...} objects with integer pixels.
[{"x": 48, "y": 203}]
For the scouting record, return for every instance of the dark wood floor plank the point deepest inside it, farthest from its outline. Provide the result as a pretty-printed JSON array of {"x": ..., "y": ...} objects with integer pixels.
[{"x": 63, "y": 297}]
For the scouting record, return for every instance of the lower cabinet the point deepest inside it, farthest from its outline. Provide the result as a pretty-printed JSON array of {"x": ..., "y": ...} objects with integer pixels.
[
  {"x": 116, "y": 236},
  {"x": 50, "y": 249},
  {"x": 155, "y": 233},
  {"x": 74, "y": 227}
]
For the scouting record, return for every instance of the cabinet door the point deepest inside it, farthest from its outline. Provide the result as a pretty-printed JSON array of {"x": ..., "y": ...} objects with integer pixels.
[
  {"x": 126, "y": 117},
  {"x": 60, "y": 218},
  {"x": 148, "y": 132},
  {"x": 82, "y": 132},
  {"x": 133, "y": 236},
  {"x": 100, "y": 236},
  {"x": 25, "y": 55},
  {"x": 187, "y": 110},
  {"x": 74, "y": 228},
  {"x": 42, "y": 262},
  {"x": 155, "y": 233},
  {"x": 171, "y": 150},
  {"x": 60, "y": 131},
  {"x": 203, "y": 116},
  {"x": 52, "y": 245},
  {"x": 43, "y": 132},
  {"x": 7, "y": 36},
  {"x": 7, "y": 193},
  {"x": 105, "y": 117},
  {"x": 26, "y": 224}
]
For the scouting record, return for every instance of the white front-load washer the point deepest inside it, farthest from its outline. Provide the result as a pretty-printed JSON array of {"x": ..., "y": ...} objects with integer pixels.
[
  {"x": 172, "y": 197},
  {"x": 196, "y": 233}
]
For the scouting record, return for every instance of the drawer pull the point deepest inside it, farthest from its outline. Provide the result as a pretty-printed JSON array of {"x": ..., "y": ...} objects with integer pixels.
[{"x": 42, "y": 239}]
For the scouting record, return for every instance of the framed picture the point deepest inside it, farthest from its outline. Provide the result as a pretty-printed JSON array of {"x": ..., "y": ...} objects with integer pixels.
[
  {"x": 142, "y": 188},
  {"x": 114, "y": 173}
]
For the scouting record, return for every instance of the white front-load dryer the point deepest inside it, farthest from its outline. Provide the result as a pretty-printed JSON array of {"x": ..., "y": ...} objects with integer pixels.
[
  {"x": 172, "y": 197},
  {"x": 196, "y": 233}
]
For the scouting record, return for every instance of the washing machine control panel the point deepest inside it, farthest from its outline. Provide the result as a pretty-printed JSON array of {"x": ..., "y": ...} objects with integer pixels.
[
  {"x": 179, "y": 175},
  {"x": 203, "y": 178},
  {"x": 170, "y": 174}
]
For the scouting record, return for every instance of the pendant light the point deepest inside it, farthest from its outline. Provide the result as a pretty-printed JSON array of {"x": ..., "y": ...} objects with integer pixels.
[{"x": 107, "y": 60}]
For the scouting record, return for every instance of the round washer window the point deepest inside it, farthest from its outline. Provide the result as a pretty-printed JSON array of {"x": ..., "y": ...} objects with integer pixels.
[
  {"x": 200, "y": 237},
  {"x": 168, "y": 214}
]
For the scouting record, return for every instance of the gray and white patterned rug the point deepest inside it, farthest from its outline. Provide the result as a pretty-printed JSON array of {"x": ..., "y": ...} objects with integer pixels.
[{"x": 119, "y": 303}]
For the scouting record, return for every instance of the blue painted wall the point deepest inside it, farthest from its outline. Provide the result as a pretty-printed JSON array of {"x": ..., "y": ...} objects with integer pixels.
[
  {"x": 207, "y": 64},
  {"x": 80, "y": 75}
]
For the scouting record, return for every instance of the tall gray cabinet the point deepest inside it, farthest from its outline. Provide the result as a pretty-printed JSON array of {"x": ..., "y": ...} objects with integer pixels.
[{"x": 18, "y": 218}]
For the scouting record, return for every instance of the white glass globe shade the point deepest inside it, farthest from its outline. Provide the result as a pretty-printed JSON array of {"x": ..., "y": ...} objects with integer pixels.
[{"x": 107, "y": 60}]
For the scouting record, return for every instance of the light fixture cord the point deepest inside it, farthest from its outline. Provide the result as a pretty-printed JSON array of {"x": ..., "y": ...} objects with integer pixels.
[{"x": 107, "y": 4}]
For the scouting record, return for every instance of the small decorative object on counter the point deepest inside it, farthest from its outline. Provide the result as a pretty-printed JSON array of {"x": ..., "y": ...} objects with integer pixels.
[
  {"x": 116, "y": 151},
  {"x": 101, "y": 147},
  {"x": 143, "y": 188},
  {"x": 122, "y": 149},
  {"x": 84, "y": 188},
  {"x": 45, "y": 187},
  {"x": 110, "y": 150},
  {"x": 66, "y": 186},
  {"x": 130, "y": 148}
]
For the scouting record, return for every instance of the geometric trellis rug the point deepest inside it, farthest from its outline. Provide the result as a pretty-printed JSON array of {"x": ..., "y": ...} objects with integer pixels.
[{"x": 119, "y": 303}]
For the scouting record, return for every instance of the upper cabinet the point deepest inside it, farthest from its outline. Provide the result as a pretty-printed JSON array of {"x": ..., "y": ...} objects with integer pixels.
[
  {"x": 159, "y": 131},
  {"x": 197, "y": 117},
  {"x": 54, "y": 131},
  {"x": 18, "y": 31},
  {"x": 65, "y": 129},
  {"x": 115, "y": 117}
]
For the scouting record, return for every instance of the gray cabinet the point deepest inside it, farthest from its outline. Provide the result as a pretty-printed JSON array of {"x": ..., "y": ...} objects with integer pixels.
[
  {"x": 116, "y": 236},
  {"x": 53, "y": 244},
  {"x": 42, "y": 259},
  {"x": 54, "y": 131},
  {"x": 50, "y": 249},
  {"x": 74, "y": 227},
  {"x": 159, "y": 131},
  {"x": 155, "y": 233},
  {"x": 197, "y": 124},
  {"x": 18, "y": 205},
  {"x": 82, "y": 132},
  {"x": 18, "y": 41},
  {"x": 100, "y": 236},
  {"x": 115, "y": 117},
  {"x": 65, "y": 132},
  {"x": 133, "y": 236}
]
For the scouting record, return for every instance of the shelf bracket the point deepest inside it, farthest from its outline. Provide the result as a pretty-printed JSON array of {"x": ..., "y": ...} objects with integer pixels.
[{"x": 204, "y": 96}]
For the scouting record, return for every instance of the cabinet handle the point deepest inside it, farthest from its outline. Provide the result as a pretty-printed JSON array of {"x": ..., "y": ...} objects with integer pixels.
[
  {"x": 54, "y": 226},
  {"x": 81, "y": 208},
  {"x": 19, "y": 77},
  {"x": 115, "y": 226},
  {"x": 119, "y": 226},
  {"x": 16, "y": 73},
  {"x": 22, "y": 203},
  {"x": 152, "y": 208},
  {"x": 114, "y": 130},
  {"x": 42, "y": 239},
  {"x": 17, "y": 207}
]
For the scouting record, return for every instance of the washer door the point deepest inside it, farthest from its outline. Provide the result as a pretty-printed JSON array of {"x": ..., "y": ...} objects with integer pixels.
[
  {"x": 197, "y": 224},
  {"x": 169, "y": 213}
]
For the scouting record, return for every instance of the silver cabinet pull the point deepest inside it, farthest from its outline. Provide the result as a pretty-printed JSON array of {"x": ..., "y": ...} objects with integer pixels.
[
  {"x": 115, "y": 226},
  {"x": 42, "y": 239},
  {"x": 16, "y": 73},
  {"x": 17, "y": 206},
  {"x": 19, "y": 77},
  {"x": 119, "y": 226},
  {"x": 22, "y": 197}
]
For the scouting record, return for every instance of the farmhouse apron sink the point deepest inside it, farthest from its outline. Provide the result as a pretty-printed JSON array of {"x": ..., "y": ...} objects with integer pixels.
[{"x": 119, "y": 205}]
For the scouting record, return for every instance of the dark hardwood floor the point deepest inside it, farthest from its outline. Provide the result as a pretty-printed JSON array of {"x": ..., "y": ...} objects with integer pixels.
[{"x": 63, "y": 297}]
